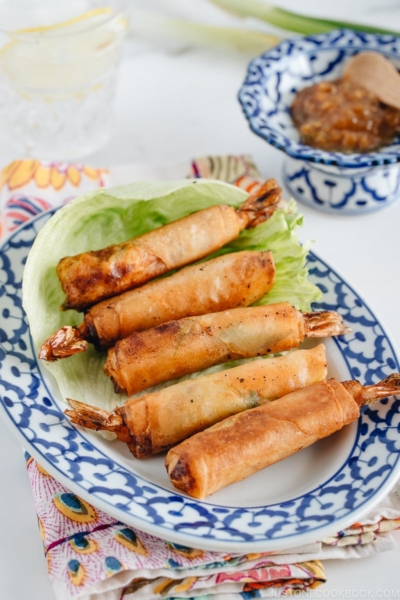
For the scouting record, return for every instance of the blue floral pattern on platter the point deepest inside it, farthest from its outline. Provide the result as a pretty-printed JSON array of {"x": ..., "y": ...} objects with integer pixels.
[
  {"x": 36, "y": 416},
  {"x": 274, "y": 78},
  {"x": 329, "y": 181}
]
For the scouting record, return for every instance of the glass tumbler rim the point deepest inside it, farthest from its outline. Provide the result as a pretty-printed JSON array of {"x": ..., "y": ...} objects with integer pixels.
[{"x": 118, "y": 8}]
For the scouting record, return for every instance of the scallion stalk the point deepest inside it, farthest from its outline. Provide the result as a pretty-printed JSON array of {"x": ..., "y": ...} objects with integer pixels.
[
  {"x": 291, "y": 21},
  {"x": 159, "y": 26}
]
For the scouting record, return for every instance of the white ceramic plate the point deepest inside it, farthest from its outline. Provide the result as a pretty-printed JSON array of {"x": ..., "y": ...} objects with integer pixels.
[{"x": 313, "y": 494}]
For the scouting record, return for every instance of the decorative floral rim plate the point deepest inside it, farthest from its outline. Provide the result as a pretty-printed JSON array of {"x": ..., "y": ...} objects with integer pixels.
[
  {"x": 273, "y": 79},
  {"x": 305, "y": 498}
]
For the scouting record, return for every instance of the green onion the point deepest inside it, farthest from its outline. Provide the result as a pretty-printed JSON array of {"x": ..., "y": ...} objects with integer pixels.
[
  {"x": 243, "y": 40},
  {"x": 291, "y": 21}
]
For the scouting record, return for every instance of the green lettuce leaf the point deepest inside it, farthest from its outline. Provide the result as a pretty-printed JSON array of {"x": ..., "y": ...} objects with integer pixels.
[{"x": 105, "y": 217}]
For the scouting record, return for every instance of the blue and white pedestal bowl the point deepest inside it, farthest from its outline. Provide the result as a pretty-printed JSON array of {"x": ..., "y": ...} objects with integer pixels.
[
  {"x": 340, "y": 190},
  {"x": 329, "y": 181}
]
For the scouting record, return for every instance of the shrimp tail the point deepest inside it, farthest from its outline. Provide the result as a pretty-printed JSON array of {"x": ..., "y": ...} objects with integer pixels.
[
  {"x": 65, "y": 342},
  {"x": 99, "y": 419},
  {"x": 368, "y": 394},
  {"x": 324, "y": 323},
  {"x": 261, "y": 205},
  {"x": 93, "y": 417}
]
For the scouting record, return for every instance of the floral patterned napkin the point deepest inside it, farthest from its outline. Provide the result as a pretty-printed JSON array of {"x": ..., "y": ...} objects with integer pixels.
[{"x": 89, "y": 554}]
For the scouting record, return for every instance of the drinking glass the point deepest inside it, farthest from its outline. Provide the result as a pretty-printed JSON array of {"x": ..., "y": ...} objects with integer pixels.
[{"x": 58, "y": 70}]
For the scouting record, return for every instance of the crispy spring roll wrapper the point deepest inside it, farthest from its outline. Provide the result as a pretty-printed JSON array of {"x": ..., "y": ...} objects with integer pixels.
[
  {"x": 157, "y": 421},
  {"x": 231, "y": 280},
  {"x": 177, "y": 348},
  {"x": 248, "y": 442},
  {"x": 90, "y": 277}
]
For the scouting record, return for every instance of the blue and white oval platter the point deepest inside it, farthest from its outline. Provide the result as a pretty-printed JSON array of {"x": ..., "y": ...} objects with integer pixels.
[{"x": 305, "y": 498}]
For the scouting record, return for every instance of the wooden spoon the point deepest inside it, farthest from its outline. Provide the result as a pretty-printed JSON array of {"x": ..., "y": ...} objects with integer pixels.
[{"x": 377, "y": 74}]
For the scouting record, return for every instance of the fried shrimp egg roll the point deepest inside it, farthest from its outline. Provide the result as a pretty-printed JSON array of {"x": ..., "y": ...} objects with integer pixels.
[
  {"x": 90, "y": 277},
  {"x": 248, "y": 442},
  {"x": 177, "y": 348},
  {"x": 231, "y": 280},
  {"x": 157, "y": 421}
]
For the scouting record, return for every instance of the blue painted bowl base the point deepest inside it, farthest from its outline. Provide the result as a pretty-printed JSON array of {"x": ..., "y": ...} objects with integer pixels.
[{"x": 345, "y": 193}]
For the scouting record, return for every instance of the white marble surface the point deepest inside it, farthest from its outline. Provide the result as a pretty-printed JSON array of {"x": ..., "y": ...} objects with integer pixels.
[{"x": 169, "y": 107}]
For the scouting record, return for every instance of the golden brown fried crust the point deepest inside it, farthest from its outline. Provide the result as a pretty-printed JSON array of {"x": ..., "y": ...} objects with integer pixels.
[
  {"x": 250, "y": 441},
  {"x": 173, "y": 349},
  {"x": 90, "y": 277},
  {"x": 231, "y": 280},
  {"x": 162, "y": 419}
]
